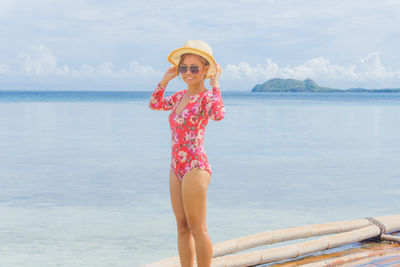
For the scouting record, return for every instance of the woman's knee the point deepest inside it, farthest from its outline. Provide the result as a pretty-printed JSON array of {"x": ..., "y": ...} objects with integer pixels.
[
  {"x": 198, "y": 230},
  {"x": 182, "y": 227}
]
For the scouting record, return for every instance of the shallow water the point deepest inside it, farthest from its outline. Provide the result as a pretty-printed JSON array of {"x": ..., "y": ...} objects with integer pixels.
[{"x": 84, "y": 176}]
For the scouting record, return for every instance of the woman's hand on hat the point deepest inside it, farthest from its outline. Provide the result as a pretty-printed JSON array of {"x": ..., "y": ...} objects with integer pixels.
[
  {"x": 171, "y": 73},
  {"x": 214, "y": 78}
]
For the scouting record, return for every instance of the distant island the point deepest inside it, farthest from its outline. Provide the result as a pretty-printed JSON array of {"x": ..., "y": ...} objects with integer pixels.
[{"x": 308, "y": 85}]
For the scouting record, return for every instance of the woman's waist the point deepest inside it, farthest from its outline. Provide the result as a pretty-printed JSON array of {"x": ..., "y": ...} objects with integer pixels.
[
  {"x": 188, "y": 150},
  {"x": 188, "y": 137}
]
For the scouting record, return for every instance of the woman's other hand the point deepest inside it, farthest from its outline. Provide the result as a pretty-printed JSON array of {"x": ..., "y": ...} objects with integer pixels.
[{"x": 214, "y": 78}]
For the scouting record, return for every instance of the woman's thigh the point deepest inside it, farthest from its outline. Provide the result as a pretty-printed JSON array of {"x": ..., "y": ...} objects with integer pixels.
[
  {"x": 175, "y": 189},
  {"x": 194, "y": 194}
]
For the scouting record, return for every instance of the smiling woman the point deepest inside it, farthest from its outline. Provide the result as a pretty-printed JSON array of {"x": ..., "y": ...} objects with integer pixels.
[
  {"x": 193, "y": 64},
  {"x": 190, "y": 171}
]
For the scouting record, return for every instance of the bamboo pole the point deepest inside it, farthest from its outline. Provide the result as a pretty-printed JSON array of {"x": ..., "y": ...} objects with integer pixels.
[
  {"x": 270, "y": 237},
  {"x": 391, "y": 238},
  {"x": 392, "y": 223},
  {"x": 276, "y": 236},
  {"x": 370, "y": 248},
  {"x": 355, "y": 258}
]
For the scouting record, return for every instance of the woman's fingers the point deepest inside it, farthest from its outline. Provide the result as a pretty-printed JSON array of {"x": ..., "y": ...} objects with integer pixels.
[
  {"x": 171, "y": 73},
  {"x": 218, "y": 72},
  {"x": 172, "y": 69},
  {"x": 218, "y": 67},
  {"x": 214, "y": 78}
]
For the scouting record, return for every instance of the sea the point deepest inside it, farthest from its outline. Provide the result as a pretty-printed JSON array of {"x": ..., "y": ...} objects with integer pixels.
[{"x": 84, "y": 175}]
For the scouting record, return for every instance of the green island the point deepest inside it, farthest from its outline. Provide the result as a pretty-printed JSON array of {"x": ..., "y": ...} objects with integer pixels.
[{"x": 308, "y": 85}]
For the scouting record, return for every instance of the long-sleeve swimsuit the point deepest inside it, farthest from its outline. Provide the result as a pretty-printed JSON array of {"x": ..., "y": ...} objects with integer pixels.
[{"x": 188, "y": 126}]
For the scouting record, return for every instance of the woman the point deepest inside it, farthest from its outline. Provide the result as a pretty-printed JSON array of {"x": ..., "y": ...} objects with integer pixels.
[{"x": 190, "y": 171}]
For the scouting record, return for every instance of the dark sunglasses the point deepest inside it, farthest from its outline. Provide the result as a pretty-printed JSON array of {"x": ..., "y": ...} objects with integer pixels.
[{"x": 193, "y": 69}]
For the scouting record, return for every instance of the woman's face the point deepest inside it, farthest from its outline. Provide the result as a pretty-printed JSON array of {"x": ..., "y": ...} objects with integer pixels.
[{"x": 188, "y": 76}]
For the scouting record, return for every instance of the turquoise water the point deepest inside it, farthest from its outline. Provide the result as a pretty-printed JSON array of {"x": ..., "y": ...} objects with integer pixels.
[{"x": 84, "y": 175}]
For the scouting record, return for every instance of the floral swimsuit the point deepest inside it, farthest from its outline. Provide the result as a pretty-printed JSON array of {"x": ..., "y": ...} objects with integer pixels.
[{"x": 188, "y": 126}]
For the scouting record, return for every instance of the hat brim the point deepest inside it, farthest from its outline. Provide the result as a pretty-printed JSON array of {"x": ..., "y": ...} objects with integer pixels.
[{"x": 175, "y": 56}]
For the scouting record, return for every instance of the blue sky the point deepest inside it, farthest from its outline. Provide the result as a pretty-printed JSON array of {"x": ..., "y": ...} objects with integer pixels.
[{"x": 123, "y": 45}]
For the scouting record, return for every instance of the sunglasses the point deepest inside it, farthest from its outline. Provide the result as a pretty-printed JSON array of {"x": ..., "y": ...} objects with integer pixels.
[{"x": 193, "y": 69}]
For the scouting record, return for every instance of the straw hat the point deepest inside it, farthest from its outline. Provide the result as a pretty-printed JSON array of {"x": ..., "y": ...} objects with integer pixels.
[{"x": 196, "y": 47}]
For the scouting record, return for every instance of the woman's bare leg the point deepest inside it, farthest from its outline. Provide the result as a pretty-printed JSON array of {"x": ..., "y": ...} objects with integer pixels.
[
  {"x": 185, "y": 238},
  {"x": 194, "y": 194}
]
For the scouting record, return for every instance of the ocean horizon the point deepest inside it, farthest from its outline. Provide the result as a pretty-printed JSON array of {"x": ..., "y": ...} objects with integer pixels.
[{"x": 84, "y": 174}]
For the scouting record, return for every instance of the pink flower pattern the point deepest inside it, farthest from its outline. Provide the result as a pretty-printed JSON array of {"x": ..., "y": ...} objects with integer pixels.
[{"x": 188, "y": 126}]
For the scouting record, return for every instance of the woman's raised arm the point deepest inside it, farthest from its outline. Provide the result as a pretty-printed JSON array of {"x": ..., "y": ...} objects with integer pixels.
[
  {"x": 157, "y": 100},
  {"x": 214, "y": 105},
  {"x": 215, "y": 108}
]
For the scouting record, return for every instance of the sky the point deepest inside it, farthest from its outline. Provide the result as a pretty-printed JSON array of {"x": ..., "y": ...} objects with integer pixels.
[{"x": 123, "y": 45}]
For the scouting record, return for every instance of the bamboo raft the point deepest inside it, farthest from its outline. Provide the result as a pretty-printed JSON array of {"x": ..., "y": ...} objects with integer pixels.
[{"x": 339, "y": 234}]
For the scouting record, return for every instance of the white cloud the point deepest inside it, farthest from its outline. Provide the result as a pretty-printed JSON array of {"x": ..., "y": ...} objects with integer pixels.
[
  {"x": 107, "y": 70},
  {"x": 290, "y": 30},
  {"x": 368, "y": 71},
  {"x": 371, "y": 67},
  {"x": 39, "y": 61},
  {"x": 141, "y": 71}
]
